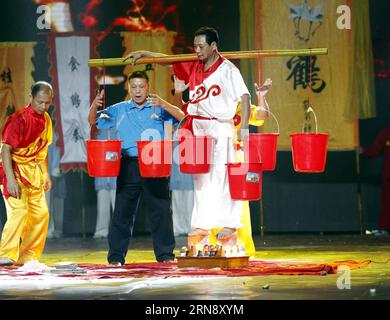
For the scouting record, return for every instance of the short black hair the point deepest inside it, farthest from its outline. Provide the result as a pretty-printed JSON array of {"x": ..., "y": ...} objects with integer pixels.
[
  {"x": 138, "y": 74},
  {"x": 210, "y": 33},
  {"x": 41, "y": 86}
]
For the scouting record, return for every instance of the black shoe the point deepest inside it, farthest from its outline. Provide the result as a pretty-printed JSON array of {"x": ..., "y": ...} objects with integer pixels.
[{"x": 169, "y": 260}]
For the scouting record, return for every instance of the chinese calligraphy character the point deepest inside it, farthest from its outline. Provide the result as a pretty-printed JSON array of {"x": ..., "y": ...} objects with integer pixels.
[
  {"x": 300, "y": 73},
  {"x": 6, "y": 76},
  {"x": 73, "y": 64},
  {"x": 76, "y": 135},
  {"x": 75, "y": 98}
]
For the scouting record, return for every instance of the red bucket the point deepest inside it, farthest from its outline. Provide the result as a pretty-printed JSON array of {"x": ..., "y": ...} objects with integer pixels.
[
  {"x": 103, "y": 157},
  {"x": 195, "y": 153},
  {"x": 155, "y": 158},
  {"x": 261, "y": 148},
  {"x": 245, "y": 180},
  {"x": 309, "y": 151}
]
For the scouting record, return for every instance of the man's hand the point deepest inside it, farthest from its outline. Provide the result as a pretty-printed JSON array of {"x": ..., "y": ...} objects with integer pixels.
[
  {"x": 155, "y": 100},
  {"x": 263, "y": 90},
  {"x": 180, "y": 85},
  {"x": 47, "y": 182},
  {"x": 12, "y": 185},
  {"x": 98, "y": 101},
  {"x": 135, "y": 55},
  {"x": 13, "y": 188}
]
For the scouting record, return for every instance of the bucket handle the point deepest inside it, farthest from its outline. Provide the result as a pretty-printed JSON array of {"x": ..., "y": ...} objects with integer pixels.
[
  {"x": 276, "y": 120},
  {"x": 310, "y": 109}
]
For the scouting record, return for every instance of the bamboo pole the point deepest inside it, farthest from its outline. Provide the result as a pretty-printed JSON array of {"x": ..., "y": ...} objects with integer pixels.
[{"x": 110, "y": 62}]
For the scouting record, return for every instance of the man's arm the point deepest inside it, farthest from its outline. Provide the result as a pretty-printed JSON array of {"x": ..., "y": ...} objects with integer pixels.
[
  {"x": 180, "y": 87},
  {"x": 243, "y": 131},
  {"x": 45, "y": 170},
  {"x": 98, "y": 102},
  {"x": 12, "y": 185},
  {"x": 261, "y": 92},
  {"x": 176, "y": 112},
  {"x": 135, "y": 55}
]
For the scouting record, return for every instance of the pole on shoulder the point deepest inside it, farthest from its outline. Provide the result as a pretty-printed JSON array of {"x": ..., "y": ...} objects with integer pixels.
[{"x": 231, "y": 55}]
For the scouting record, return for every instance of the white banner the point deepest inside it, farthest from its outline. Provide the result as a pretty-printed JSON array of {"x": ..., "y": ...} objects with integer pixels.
[{"x": 72, "y": 54}]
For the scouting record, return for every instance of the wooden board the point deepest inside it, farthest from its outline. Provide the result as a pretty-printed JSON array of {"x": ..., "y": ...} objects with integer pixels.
[{"x": 213, "y": 262}]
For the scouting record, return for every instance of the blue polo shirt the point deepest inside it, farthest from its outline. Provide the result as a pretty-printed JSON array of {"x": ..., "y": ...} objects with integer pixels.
[{"x": 133, "y": 123}]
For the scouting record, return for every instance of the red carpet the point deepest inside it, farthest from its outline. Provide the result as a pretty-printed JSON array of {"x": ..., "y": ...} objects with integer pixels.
[
  {"x": 154, "y": 269},
  {"x": 256, "y": 268}
]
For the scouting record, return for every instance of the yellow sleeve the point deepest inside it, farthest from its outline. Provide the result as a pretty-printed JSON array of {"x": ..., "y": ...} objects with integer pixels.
[
  {"x": 49, "y": 130},
  {"x": 253, "y": 117},
  {"x": 49, "y": 136}
]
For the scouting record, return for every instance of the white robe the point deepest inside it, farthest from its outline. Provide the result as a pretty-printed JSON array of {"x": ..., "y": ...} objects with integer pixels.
[{"x": 216, "y": 97}]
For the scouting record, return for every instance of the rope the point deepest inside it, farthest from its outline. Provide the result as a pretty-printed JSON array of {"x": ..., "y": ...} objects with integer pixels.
[
  {"x": 259, "y": 71},
  {"x": 310, "y": 108},
  {"x": 104, "y": 87},
  {"x": 154, "y": 84},
  {"x": 310, "y": 81}
]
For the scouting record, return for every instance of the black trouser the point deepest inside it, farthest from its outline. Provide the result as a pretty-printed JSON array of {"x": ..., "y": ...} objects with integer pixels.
[{"x": 155, "y": 192}]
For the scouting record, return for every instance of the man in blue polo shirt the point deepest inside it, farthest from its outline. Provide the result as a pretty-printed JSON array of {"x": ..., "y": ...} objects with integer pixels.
[{"x": 139, "y": 118}]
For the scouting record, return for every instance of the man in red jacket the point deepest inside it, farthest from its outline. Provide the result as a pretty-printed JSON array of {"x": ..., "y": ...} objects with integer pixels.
[{"x": 24, "y": 178}]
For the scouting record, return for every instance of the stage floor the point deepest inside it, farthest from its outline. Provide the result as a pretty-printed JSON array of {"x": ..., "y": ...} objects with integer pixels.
[{"x": 371, "y": 282}]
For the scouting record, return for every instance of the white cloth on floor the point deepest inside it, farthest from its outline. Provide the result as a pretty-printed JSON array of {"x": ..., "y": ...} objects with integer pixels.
[{"x": 34, "y": 266}]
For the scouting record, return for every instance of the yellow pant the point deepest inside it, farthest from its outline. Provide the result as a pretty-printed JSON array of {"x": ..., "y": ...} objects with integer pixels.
[
  {"x": 244, "y": 234},
  {"x": 24, "y": 234}
]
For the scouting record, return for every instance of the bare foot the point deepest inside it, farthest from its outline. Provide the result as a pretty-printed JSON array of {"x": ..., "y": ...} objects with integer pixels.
[
  {"x": 225, "y": 233},
  {"x": 199, "y": 232}
]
